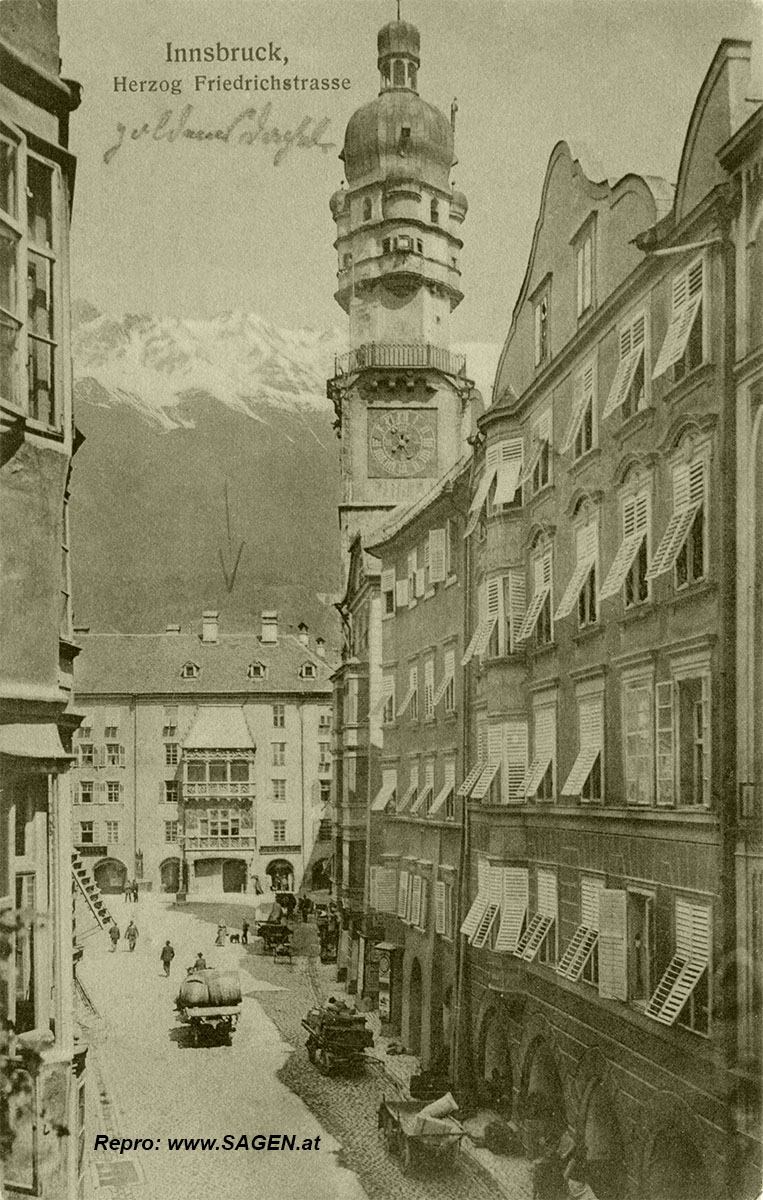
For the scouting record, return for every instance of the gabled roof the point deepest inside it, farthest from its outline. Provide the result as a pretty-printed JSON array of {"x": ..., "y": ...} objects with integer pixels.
[
  {"x": 219, "y": 727},
  {"x": 405, "y": 514},
  {"x": 151, "y": 664}
]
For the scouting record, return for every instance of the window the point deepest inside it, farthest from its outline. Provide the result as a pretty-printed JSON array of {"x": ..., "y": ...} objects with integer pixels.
[
  {"x": 115, "y": 755},
  {"x": 413, "y": 684},
  {"x": 446, "y": 794},
  {"x": 388, "y": 700},
  {"x": 503, "y": 465},
  {"x": 538, "y": 470},
  {"x": 29, "y": 284},
  {"x": 434, "y": 212},
  {"x": 629, "y": 386},
  {"x": 683, "y": 543},
  {"x": 218, "y": 771},
  {"x": 112, "y": 833},
  {"x": 581, "y": 589},
  {"x": 111, "y": 733},
  {"x": 435, "y": 557},
  {"x": 113, "y": 791},
  {"x": 170, "y": 726},
  {"x": 683, "y": 993},
  {"x": 195, "y": 772},
  {"x": 307, "y": 671},
  {"x": 429, "y": 689},
  {"x": 410, "y": 796},
  {"x": 443, "y": 909},
  {"x": 86, "y": 791},
  {"x": 279, "y": 831},
  {"x": 692, "y": 710},
  {"x": 388, "y": 593},
  {"x": 581, "y": 432},
  {"x": 584, "y": 261},
  {"x": 279, "y": 754},
  {"x": 387, "y": 792},
  {"x": 324, "y": 720},
  {"x": 171, "y": 791},
  {"x": 540, "y": 775},
  {"x": 637, "y": 730},
  {"x": 239, "y": 770},
  {"x": 325, "y": 791},
  {"x": 451, "y": 547},
  {"x": 279, "y": 716},
  {"x": 537, "y": 620},
  {"x": 367, "y": 209},
  {"x": 585, "y": 778},
  {"x": 86, "y": 754},
  {"x": 538, "y": 941},
  {"x": 86, "y": 833},
  {"x": 683, "y": 348},
  {"x": 256, "y": 670},
  {"x": 419, "y": 246},
  {"x": 581, "y": 957},
  {"x": 85, "y": 733},
  {"x": 171, "y": 754},
  {"x": 189, "y": 670},
  {"x": 446, "y": 688},
  {"x": 540, "y": 318},
  {"x": 220, "y": 823},
  {"x": 640, "y": 951},
  {"x": 279, "y": 791},
  {"x": 386, "y": 245},
  {"x": 324, "y": 757},
  {"x": 629, "y": 566},
  {"x": 170, "y": 831}
]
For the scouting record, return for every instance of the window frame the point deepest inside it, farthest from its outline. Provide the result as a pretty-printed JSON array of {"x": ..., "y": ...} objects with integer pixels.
[
  {"x": 585, "y": 299},
  {"x": 541, "y": 303}
]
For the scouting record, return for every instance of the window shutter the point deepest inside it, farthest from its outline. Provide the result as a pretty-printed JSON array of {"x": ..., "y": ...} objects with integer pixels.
[
  {"x": 591, "y": 733},
  {"x": 514, "y": 900},
  {"x": 494, "y": 755},
  {"x": 402, "y": 894},
  {"x": 635, "y": 521},
  {"x": 664, "y": 732},
  {"x": 421, "y": 581},
  {"x": 439, "y": 907},
  {"x": 688, "y": 497},
  {"x": 388, "y": 583},
  {"x": 687, "y": 300},
  {"x": 424, "y": 911},
  {"x": 480, "y": 903},
  {"x": 429, "y": 687},
  {"x": 590, "y": 890},
  {"x": 544, "y": 748},
  {"x": 517, "y": 603},
  {"x": 386, "y": 887},
  {"x": 121, "y": 756},
  {"x": 102, "y": 756},
  {"x": 449, "y": 671},
  {"x": 401, "y": 593},
  {"x": 631, "y": 352},
  {"x": 613, "y": 962},
  {"x": 509, "y": 469},
  {"x": 515, "y": 761},
  {"x": 495, "y": 890},
  {"x": 415, "y": 904},
  {"x": 587, "y": 539},
  {"x": 437, "y": 541},
  {"x": 547, "y": 894}
]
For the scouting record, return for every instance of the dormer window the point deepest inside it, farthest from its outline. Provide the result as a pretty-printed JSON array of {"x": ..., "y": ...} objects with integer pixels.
[
  {"x": 189, "y": 670},
  {"x": 256, "y": 670},
  {"x": 367, "y": 209},
  {"x": 434, "y": 213},
  {"x": 307, "y": 671}
]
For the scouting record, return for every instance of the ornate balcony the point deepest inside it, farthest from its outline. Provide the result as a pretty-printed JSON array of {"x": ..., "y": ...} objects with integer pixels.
[
  {"x": 399, "y": 354},
  {"x": 245, "y": 841},
  {"x": 222, "y": 791}
]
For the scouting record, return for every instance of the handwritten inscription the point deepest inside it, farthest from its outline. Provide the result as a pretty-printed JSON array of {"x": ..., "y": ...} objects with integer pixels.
[{"x": 251, "y": 127}]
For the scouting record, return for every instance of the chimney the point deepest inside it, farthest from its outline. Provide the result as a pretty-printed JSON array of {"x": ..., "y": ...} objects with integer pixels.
[
  {"x": 304, "y": 633},
  {"x": 269, "y": 633},
  {"x": 172, "y": 629},
  {"x": 209, "y": 626},
  {"x": 320, "y": 647}
]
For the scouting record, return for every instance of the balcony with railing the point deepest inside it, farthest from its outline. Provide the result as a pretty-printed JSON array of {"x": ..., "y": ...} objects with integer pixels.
[
  {"x": 243, "y": 841},
  {"x": 221, "y": 791},
  {"x": 413, "y": 355}
]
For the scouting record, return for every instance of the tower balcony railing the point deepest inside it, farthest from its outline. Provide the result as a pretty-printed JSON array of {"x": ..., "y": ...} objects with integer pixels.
[{"x": 400, "y": 354}]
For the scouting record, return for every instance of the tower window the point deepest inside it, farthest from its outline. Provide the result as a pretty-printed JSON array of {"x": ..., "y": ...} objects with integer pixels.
[
  {"x": 367, "y": 209},
  {"x": 398, "y": 73},
  {"x": 419, "y": 245},
  {"x": 412, "y": 76},
  {"x": 434, "y": 213},
  {"x": 386, "y": 245},
  {"x": 346, "y": 260}
]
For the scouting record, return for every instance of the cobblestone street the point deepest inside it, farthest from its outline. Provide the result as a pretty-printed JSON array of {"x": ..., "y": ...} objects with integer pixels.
[{"x": 145, "y": 1082}]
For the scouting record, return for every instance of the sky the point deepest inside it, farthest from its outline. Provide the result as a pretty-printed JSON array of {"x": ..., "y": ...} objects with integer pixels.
[{"x": 191, "y": 228}]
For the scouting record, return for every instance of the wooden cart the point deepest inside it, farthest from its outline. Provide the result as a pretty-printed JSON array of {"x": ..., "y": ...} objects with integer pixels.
[
  {"x": 400, "y": 1126},
  {"x": 336, "y": 1039},
  {"x": 213, "y": 1024}
]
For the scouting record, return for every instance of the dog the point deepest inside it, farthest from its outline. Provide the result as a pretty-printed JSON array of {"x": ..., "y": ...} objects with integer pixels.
[{"x": 234, "y": 937}]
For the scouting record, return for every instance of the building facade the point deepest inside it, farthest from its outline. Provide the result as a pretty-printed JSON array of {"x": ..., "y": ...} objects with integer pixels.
[
  {"x": 204, "y": 760},
  {"x": 415, "y": 843},
  {"x": 37, "y": 651},
  {"x": 599, "y": 974}
]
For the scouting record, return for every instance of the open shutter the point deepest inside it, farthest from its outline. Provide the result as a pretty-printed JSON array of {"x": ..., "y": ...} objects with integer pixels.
[
  {"x": 687, "y": 300},
  {"x": 631, "y": 352},
  {"x": 388, "y": 586},
  {"x": 515, "y": 761},
  {"x": 492, "y": 912},
  {"x": 583, "y": 394},
  {"x": 401, "y": 593},
  {"x": 439, "y": 907},
  {"x": 666, "y": 782},
  {"x": 437, "y": 543},
  {"x": 415, "y": 908},
  {"x": 494, "y": 756},
  {"x": 402, "y": 894},
  {"x": 492, "y": 458},
  {"x": 424, "y": 913},
  {"x": 591, "y": 726},
  {"x": 509, "y": 471},
  {"x": 587, "y": 540},
  {"x": 635, "y": 519},
  {"x": 688, "y": 497},
  {"x": 162, "y": 791},
  {"x": 613, "y": 961},
  {"x": 121, "y": 756},
  {"x": 481, "y": 900},
  {"x": 449, "y": 671},
  {"x": 386, "y": 888},
  {"x": 545, "y": 746},
  {"x": 540, "y": 436},
  {"x": 513, "y": 908},
  {"x": 517, "y": 604}
]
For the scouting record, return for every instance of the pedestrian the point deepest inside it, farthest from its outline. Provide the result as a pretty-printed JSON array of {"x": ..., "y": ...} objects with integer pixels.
[
  {"x": 127, "y": 891},
  {"x": 244, "y": 933},
  {"x": 135, "y": 891},
  {"x": 167, "y": 956},
  {"x": 200, "y": 963},
  {"x": 131, "y": 934},
  {"x": 222, "y": 933},
  {"x": 114, "y": 935}
]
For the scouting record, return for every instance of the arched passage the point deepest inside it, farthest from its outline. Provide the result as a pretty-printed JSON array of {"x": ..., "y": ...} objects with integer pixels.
[
  {"x": 281, "y": 875},
  {"x": 234, "y": 875},
  {"x": 494, "y": 1062},
  {"x": 543, "y": 1107},
  {"x": 169, "y": 875},
  {"x": 675, "y": 1170},
  {"x": 605, "y": 1153},
  {"x": 110, "y": 875},
  {"x": 414, "y": 1008}
]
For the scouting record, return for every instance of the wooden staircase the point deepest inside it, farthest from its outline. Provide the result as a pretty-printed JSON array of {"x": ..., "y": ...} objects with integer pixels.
[{"x": 87, "y": 891}]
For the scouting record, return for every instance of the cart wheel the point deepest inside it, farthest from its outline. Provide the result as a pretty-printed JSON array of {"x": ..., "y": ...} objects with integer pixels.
[{"x": 323, "y": 1061}]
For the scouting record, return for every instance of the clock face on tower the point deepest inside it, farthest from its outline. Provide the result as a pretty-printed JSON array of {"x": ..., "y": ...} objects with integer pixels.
[{"x": 402, "y": 442}]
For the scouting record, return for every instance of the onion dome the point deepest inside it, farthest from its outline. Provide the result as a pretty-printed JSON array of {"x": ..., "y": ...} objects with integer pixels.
[
  {"x": 459, "y": 205},
  {"x": 398, "y": 38},
  {"x": 399, "y": 134}
]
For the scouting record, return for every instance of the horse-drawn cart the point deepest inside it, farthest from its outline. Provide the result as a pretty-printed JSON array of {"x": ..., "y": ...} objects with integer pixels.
[
  {"x": 414, "y": 1137},
  {"x": 209, "y": 1004},
  {"x": 337, "y": 1037}
]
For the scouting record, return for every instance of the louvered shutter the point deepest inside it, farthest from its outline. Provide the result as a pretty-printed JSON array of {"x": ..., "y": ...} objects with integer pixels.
[
  {"x": 544, "y": 747},
  {"x": 449, "y": 672},
  {"x": 386, "y": 888},
  {"x": 480, "y": 902},
  {"x": 517, "y": 603},
  {"x": 689, "y": 963},
  {"x": 613, "y": 961},
  {"x": 688, "y": 497},
  {"x": 589, "y": 902},
  {"x": 492, "y": 912},
  {"x": 402, "y": 894},
  {"x": 162, "y": 791},
  {"x": 547, "y": 894},
  {"x": 586, "y": 543},
  {"x": 687, "y": 301},
  {"x": 423, "y": 920},
  {"x": 514, "y": 899},
  {"x": 591, "y": 732},
  {"x": 515, "y": 761},
  {"x": 401, "y": 593},
  {"x": 542, "y": 588},
  {"x": 449, "y": 783},
  {"x": 664, "y": 733},
  {"x": 389, "y": 783},
  {"x": 635, "y": 522},
  {"x": 509, "y": 471},
  {"x": 584, "y": 393},
  {"x": 494, "y": 756},
  {"x": 540, "y": 436},
  {"x": 439, "y": 907},
  {"x": 632, "y": 339},
  {"x": 479, "y": 632},
  {"x": 415, "y": 904},
  {"x": 492, "y": 458},
  {"x": 437, "y": 546},
  {"x": 429, "y": 688}
]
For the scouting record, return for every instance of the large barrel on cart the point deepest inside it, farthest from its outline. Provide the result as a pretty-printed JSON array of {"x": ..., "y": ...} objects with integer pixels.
[
  {"x": 209, "y": 1002},
  {"x": 337, "y": 1037}
]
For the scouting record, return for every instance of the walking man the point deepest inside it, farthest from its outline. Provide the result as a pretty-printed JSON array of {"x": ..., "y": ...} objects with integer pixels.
[
  {"x": 131, "y": 933},
  {"x": 114, "y": 935},
  {"x": 167, "y": 956},
  {"x": 244, "y": 933}
]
